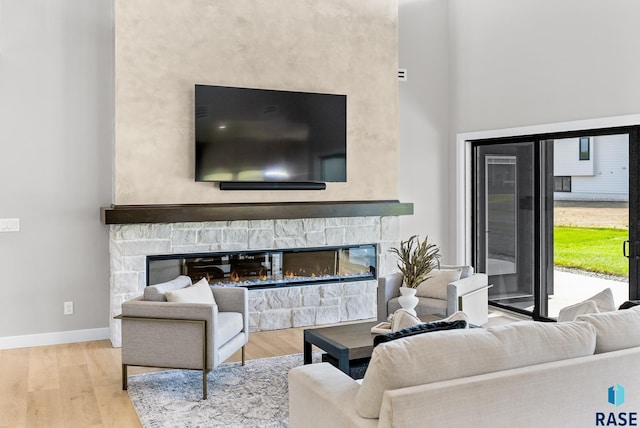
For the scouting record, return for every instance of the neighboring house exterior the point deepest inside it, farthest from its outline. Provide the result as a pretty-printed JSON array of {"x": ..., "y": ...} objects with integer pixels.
[{"x": 592, "y": 168}]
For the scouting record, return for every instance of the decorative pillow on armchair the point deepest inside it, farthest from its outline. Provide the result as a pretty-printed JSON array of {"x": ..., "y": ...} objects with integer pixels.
[
  {"x": 436, "y": 285},
  {"x": 200, "y": 292},
  {"x": 156, "y": 292}
]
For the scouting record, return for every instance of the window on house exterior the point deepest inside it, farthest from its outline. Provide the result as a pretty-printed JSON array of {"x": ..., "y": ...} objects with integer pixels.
[
  {"x": 561, "y": 184},
  {"x": 585, "y": 152}
]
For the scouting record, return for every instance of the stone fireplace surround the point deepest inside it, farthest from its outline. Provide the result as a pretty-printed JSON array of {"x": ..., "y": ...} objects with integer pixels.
[{"x": 270, "y": 309}]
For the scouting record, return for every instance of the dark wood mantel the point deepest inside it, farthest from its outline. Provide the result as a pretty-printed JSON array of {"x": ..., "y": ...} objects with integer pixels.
[{"x": 133, "y": 214}]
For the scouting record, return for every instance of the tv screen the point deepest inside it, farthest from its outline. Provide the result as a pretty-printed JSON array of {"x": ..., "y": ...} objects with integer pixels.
[{"x": 259, "y": 135}]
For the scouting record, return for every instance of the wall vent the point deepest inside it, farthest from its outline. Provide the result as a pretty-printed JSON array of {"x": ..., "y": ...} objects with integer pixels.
[{"x": 402, "y": 74}]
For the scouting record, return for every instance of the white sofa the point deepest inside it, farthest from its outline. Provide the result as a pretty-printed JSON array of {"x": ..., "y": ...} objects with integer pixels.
[
  {"x": 469, "y": 294},
  {"x": 525, "y": 374}
]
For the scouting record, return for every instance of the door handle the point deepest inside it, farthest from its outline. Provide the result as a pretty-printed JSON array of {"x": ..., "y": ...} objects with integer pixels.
[{"x": 631, "y": 249}]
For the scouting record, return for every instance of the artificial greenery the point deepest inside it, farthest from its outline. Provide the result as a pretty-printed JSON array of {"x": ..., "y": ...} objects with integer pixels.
[{"x": 416, "y": 260}]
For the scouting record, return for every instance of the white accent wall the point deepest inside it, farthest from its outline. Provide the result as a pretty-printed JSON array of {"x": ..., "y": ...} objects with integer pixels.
[
  {"x": 532, "y": 62},
  {"x": 56, "y": 133},
  {"x": 426, "y": 156}
]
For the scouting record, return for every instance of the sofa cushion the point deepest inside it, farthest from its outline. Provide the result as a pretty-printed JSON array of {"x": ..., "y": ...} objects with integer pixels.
[
  {"x": 228, "y": 326},
  {"x": 436, "y": 285},
  {"x": 156, "y": 292},
  {"x": 443, "y": 355},
  {"x": 200, "y": 292},
  {"x": 615, "y": 330}
]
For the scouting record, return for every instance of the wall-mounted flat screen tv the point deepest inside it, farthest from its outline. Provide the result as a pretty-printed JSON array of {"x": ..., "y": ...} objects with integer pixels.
[{"x": 259, "y": 135}]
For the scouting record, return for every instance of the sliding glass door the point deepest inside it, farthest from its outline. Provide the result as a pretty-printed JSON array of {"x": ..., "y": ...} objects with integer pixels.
[
  {"x": 505, "y": 235},
  {"x": 554, "y": 217}
]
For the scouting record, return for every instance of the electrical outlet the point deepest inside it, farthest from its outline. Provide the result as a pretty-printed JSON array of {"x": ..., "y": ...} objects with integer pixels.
[
  {"x": 9, "y": 224},
  {"x": 68, "y": 308}
]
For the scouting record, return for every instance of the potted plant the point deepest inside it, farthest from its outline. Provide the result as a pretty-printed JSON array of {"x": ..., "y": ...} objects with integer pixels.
[{"x": 416, "y": 260}]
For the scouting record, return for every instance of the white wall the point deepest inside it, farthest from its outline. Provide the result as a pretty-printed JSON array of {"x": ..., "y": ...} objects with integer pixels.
[
  {"x": 56, "y": 121},
  {"x": 425, "y": 156},
  {"x": 528, "y": 62}
]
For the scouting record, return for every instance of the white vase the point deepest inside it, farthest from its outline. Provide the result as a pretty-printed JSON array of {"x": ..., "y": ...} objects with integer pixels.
[{"x": 408, "y": 300}]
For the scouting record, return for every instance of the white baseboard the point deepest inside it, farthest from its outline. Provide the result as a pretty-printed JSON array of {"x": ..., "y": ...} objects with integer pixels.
[{"x": 55, "y": 338}]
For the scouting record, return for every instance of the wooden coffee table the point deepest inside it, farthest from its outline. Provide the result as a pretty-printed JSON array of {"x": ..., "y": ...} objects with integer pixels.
[{"x": 346, "y": 342}]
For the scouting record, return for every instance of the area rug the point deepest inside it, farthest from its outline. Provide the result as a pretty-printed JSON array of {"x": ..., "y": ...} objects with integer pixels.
[{"x": 255, "y": 395}]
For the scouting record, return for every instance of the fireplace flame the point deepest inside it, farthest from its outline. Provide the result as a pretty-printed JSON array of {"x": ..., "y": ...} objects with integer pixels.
[{"x": 234, "y": 276}]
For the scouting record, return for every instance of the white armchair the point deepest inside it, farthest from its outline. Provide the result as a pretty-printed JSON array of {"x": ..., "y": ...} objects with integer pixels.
[
  {"x": 197, "y": 336},
  {"x": 468, "y": 294}
]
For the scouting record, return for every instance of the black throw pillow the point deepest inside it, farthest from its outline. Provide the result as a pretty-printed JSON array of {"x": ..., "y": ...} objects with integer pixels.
[
  {"x": 419, "y": 329},
  {"x": 629, "y": 304}
]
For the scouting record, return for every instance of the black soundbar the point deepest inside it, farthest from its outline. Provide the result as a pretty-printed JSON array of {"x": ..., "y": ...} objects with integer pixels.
[{"x": 272, "y": 185}]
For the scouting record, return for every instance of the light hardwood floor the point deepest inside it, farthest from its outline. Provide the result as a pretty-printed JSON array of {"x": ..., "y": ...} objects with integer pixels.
[{"x": 79, "y": 384}]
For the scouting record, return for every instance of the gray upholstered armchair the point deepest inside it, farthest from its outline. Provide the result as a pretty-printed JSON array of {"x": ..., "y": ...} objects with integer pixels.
[
  {"x": 198, "y": 336},
  {"x": 468, "y": 294}
]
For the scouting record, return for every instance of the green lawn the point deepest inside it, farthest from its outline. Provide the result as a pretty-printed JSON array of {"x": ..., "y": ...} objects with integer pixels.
[{"x": 591, "y": 249}]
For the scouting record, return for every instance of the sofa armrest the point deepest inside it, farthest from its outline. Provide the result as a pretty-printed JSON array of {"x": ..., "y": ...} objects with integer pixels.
[
  {"x": 151, "y": 309},
  {"x": 472, "y": 290},
  {"x": 148, "y": 325},
  {"x": 322, "y": 396},
  {"x": 388, "y": 288}
]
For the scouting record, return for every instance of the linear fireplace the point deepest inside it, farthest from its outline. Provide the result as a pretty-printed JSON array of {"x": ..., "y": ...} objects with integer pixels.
[{"x": 268, "y": 268}]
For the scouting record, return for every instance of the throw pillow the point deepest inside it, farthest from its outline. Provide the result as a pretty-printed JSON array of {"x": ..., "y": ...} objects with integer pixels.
[
  {"x": 601, "y": 302},
  {"x": 200, "y": 292},
  {"x": 156, "y": 292},
  {"x": 419, "y": 329},
  {"x": 570, "y": 313},
  {"x": 604, "y": 300},
  {"x": 403, "y": 319},
  {"x": 629, "y": 304},
  {"x": 436, "y": 285},
  {"x": 457, "y": 316},
  {"x": 465, "y": 270}
]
